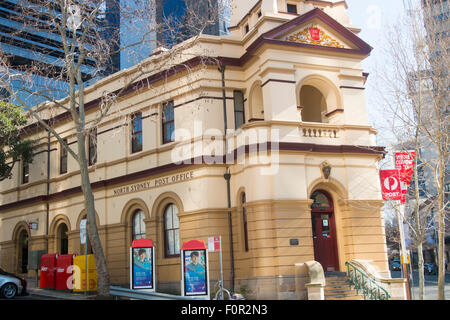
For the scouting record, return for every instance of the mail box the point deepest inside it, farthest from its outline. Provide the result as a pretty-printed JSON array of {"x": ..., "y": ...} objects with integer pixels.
[
  {"x": 79, "y": 273},
  {"x": 48, "y": 270},
  {"x": 64, "y": 266}
]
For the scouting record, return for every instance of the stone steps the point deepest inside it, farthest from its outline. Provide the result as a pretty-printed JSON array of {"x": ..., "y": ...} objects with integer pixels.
[
  {"x": 337, "y": 288},
  {"x": 345, "y": 297}
]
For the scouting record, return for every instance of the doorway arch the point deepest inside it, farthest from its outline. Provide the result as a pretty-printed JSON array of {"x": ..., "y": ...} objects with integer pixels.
[
  {"x": 62, "y": 239},
  {"x": 324, "y": 230},
  {"x": 22, "y": 246}
]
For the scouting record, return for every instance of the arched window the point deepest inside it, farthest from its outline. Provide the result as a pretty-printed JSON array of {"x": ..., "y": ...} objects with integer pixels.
[
  {"x": 63, "y": 240},
  {"x": 23, "y": 252},
  {"x": 313, "y": 103},
  {"x": 138, "y": 225},
  {"x": 244, "y": 221},
  {"x": 321, "y": 201},
  {"x": 171, "y": 231}
]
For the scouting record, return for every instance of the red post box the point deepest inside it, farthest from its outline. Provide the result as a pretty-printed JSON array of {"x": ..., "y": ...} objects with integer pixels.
[
  {"x": 64, "y": 271},
  {"x": 48, "y": 270}
]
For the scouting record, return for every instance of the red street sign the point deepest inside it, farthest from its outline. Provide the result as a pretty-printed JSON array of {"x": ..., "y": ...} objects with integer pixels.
[
  {"x": 404, "y": 163},
  {"x": 214, "y": 244},
  {"x": 315, "y": 33},
  {"x": 390, "y": 185}
]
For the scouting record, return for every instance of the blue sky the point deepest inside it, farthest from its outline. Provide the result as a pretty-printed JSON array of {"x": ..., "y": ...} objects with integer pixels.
[{"x": 376, "y": 18}]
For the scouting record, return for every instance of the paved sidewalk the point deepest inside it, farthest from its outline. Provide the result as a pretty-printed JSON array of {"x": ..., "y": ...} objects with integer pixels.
[{"x": 34, "y": 289}]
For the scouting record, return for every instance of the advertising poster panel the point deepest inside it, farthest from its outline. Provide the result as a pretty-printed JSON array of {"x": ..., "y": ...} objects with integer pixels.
[
  {"x": 194, "y": 269},
  {"x": 142, "y": 265},
  {"x": 142, "y": 268},
  {"x": 195, "y": 277}
]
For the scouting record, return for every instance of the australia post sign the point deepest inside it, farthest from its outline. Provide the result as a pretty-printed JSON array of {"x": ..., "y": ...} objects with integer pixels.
[{"x": 390, "y": 184}]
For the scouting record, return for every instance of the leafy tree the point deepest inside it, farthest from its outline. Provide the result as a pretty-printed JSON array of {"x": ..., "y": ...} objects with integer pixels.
[{"x": 12, "y": 147}]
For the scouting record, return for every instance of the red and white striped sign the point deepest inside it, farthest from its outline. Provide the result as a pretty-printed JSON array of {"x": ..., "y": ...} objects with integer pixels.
[{"x": 213, "y": 244}]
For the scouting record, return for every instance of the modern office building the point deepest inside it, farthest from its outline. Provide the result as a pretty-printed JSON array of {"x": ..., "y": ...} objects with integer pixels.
[
  {"x": 31, "y": 41},
  {"x": 297, "y": 186},
  {"x": 436, "y": 14}
]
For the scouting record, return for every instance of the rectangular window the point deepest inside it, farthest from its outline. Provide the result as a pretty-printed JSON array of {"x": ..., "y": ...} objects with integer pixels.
[
  {"x": 25, "y": 172},
  {"x": 239, "y": 114},
  {"x": 63, "y": 158},
  {"x": 292, "y": 8},
  {"x": 136, "y": 133},
  {"x": 172, "y": 231},
  {"x": 93, "y": 147},
  {"x": 168, "y": 122}
]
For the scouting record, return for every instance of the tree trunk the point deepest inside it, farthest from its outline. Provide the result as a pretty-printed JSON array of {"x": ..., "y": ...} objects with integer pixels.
[
  {"x": 420, "y": 229},
  {"x": 421, "y": 271},
  {"x": 441, "y": 230},
  {"x": 100, "y": 261}
]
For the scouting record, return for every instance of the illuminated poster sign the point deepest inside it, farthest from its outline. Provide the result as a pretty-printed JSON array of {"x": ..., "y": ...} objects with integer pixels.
[
  {"x": 195, "y": 277},
  {"x": 142, "y": 271}
]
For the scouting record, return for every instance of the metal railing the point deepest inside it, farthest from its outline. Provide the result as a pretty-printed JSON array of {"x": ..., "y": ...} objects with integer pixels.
[
  {"x": 358, "y": 279},
  {"x": 142, "y": 295}
]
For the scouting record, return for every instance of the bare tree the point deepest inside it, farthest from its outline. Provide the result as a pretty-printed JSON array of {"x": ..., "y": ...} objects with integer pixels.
[
  {"x": 415, "y": 96},
  {"x": 88, "y": 44}
]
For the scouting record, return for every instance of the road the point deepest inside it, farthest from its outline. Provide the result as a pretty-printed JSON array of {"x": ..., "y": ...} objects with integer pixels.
[
  {"x": 431, "y": 285},
  {"x": 28, "y": 297}
]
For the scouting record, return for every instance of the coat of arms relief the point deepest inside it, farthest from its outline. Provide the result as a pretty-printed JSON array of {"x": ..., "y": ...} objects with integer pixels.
[{"x": 316, "y": 36}]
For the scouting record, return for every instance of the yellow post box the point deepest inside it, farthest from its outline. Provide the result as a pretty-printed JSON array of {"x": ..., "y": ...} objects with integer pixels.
[{"x": 79, "y": 274}]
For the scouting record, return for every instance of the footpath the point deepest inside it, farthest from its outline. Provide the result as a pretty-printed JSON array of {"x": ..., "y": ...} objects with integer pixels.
[{"x": 52, "y": 294}]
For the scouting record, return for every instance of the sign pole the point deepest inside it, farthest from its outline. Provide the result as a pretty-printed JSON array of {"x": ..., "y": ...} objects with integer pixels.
[
  {"x": 400, "y": 216},
  {"x": 85, "y": 267},
  {"x": 221, "y": 270},
  {"x": 83, "y": 238}
]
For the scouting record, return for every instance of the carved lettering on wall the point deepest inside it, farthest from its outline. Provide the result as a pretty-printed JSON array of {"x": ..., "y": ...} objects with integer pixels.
[{"x": 158, "y": 182}]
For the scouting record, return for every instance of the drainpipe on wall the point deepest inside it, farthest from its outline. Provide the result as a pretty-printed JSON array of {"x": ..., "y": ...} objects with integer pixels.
[
  {"x": 48, "y": 189},
  {"x": 227, "y": 175}
]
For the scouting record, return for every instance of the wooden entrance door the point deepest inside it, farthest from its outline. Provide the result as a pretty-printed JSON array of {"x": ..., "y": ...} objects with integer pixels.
[{"x": 324, "y": 231}]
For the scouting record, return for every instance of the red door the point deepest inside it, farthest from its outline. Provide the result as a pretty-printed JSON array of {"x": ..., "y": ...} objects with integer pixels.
[{"x": 324, "y": 231}]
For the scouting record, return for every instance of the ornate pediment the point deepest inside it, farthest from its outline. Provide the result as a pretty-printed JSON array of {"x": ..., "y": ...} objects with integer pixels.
[{"x": 316, "y": 36}]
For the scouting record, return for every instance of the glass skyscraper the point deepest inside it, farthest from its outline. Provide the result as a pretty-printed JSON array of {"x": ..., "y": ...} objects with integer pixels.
[{"x": 23, "y": 46}]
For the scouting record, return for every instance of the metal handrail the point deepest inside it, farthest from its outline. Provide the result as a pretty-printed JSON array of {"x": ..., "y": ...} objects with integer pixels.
[{"x": 363, "y": 282}]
